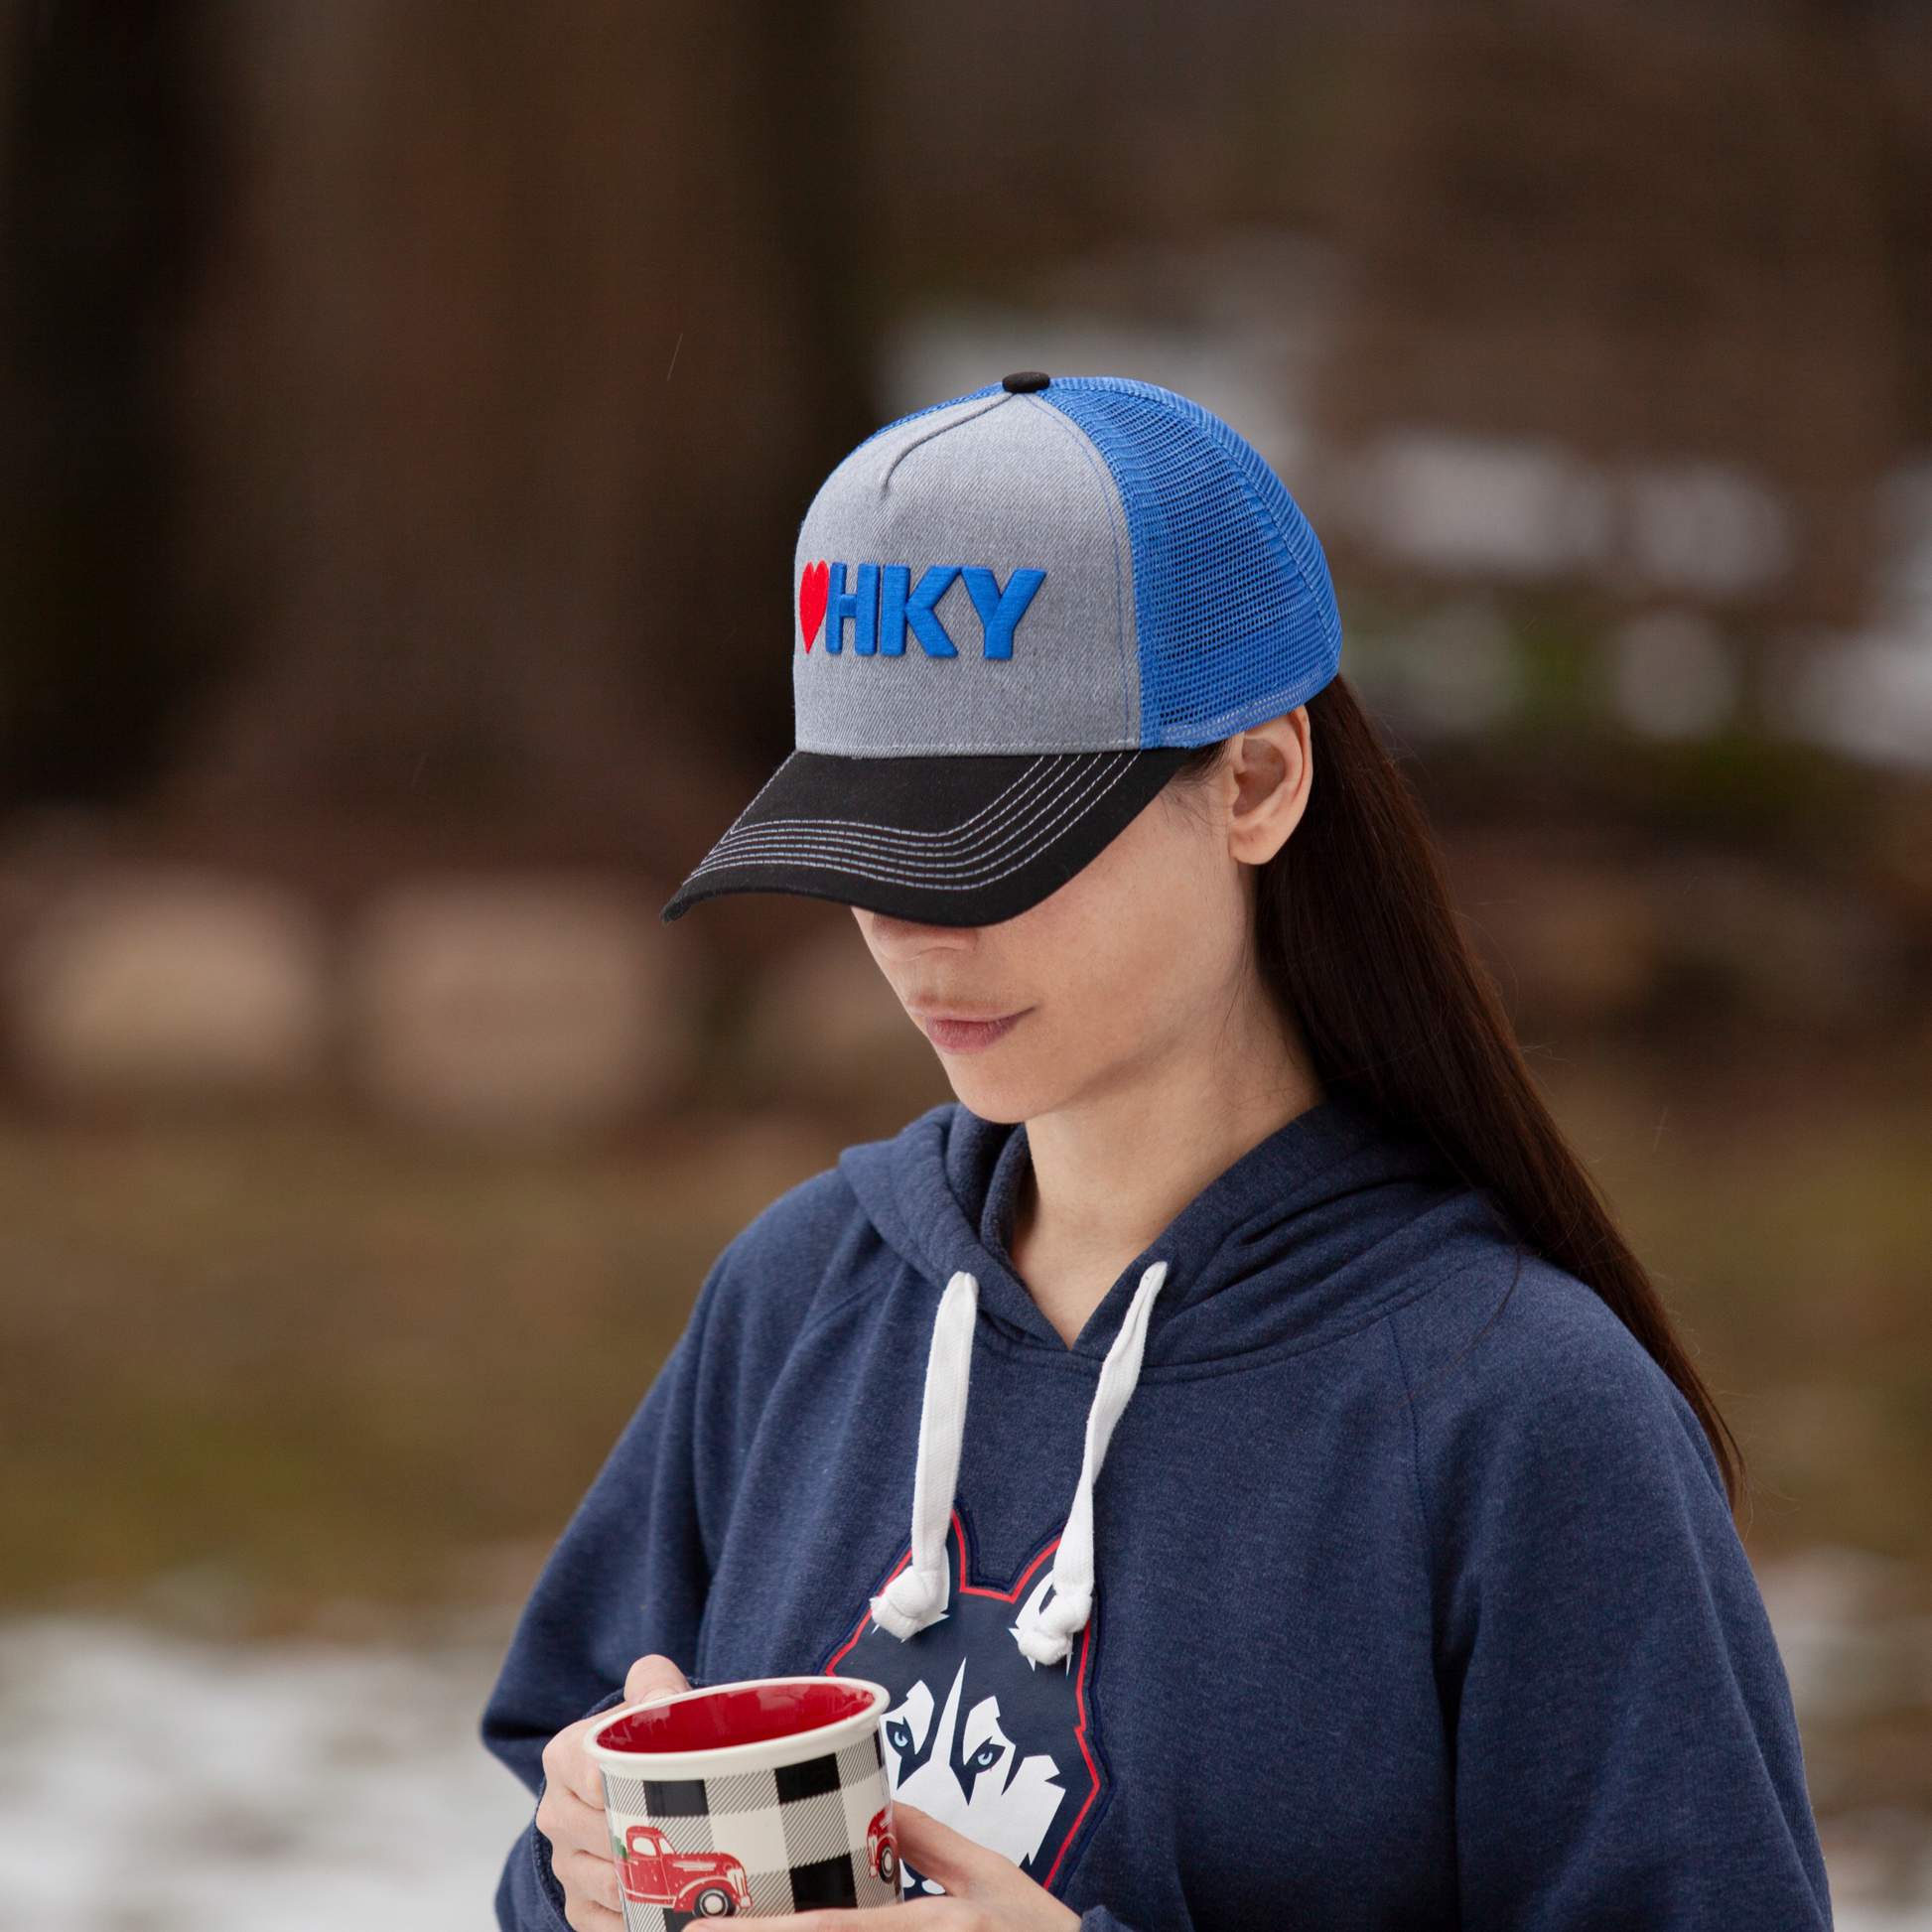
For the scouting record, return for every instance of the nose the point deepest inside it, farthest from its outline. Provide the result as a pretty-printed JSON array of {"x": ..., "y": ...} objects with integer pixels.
[{"x": 906, "y": 939}]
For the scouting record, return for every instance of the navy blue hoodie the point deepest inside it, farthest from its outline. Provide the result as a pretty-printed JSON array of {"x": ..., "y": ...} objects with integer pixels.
[{"x": 1418, "y": 1604}]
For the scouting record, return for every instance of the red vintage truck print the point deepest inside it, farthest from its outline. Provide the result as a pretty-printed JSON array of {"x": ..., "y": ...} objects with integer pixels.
[
  {"x": 882, "y": 1847},
  {"x": 707, "y": 1884}
]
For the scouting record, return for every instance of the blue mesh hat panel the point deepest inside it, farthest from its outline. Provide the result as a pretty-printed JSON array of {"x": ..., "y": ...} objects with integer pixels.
[{"x": 1237, "y": 616}]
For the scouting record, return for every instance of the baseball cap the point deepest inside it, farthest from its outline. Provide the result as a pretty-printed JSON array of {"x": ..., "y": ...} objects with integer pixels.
[{"x": 1016, "y": 614}]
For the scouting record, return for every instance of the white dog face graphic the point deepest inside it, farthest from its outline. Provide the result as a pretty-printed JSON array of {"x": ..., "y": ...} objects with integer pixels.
[
  {"x": 976, "y": 1735},
  {"x": 960, "y": 1767}
]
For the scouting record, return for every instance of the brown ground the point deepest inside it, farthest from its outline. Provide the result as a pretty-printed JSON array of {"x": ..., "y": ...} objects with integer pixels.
[{"x": 345, "y": 1361}]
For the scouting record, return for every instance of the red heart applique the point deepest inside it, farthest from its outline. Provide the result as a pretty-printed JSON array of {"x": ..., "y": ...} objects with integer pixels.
[{"x": 812, "y": 592}]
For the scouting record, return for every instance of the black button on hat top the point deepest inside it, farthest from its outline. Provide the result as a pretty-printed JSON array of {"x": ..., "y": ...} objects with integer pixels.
[{"x": 1025, "y": 381}]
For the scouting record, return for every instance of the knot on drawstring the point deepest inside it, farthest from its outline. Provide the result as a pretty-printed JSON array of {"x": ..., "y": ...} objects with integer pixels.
[
  {"x": 919, "y": 1594},
  {"x": 1047, "y": 1637},
  {"x": 911, "y": 1601}
]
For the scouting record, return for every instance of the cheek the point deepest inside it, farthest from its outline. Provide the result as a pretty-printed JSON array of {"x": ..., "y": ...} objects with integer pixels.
[
  {"x": 1167, "y": 931},
  {"x": 1127, "y": 973},
  {"x": 1144, "y": 984}
]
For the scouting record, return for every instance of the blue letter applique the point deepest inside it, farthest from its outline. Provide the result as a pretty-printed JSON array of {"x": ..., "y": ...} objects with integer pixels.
[
  {"x": 894, "y": 584},
  {"x": 1000, "y": 613},
  {"x": 860, "y": 605},
  {"x": 921, "y": 619}
]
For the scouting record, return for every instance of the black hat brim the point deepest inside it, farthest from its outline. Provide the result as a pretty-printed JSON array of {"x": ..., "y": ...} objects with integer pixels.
[{"x": 944, "y": 841}]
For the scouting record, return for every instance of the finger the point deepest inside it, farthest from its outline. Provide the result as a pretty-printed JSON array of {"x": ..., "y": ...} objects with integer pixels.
[
  {"x": 568, "y": 1766},
  {"x": 985, "y": 1887},
  {"x": 586, "y": 1915},
  {"x": 936, "y": 1851},
  {"x": 915, "y": 1912},
  {"x": 583, "y": 1874},
  {"x": 651, "y": 1678},
  {"x": 572, "y": 1825}
]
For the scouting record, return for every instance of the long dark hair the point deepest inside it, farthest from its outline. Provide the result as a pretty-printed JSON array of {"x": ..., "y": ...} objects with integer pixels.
[{"x": 1359, "y": 945}]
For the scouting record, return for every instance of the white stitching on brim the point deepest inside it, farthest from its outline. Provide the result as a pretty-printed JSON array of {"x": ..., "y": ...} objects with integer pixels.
[
  {"x": 775, "y": 843},
  {"x": 834, "y": 848},
  {"x": 1047, "y": 765},
  {"x": 1042, "y": 813}
]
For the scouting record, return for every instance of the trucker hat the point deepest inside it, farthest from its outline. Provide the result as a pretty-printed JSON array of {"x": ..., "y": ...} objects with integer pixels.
[{"x": 1016, "y": 614}]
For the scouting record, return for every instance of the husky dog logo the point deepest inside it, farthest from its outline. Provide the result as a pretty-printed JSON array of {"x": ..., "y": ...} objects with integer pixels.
[{"x": 977, "y": 1734}]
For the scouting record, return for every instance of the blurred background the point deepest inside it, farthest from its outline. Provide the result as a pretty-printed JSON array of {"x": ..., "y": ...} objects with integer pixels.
[{"x": 405, "y": 410}]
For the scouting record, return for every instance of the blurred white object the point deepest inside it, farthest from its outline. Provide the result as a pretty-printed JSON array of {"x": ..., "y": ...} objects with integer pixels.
[
  {"x": 1851, "y": 1658},
  {"x": 514, "y": 1004},
  {"x": 1845, "y": 1656},
  {"x": 166, "y": 981},
  {"x": 1240, "y": 321},
  {"x": 1705, "y": 527},
  {"x": 1451, "y": 672},
  {"x": 1904, "y": 588},
  {"x": 1671, "y": 675},
  {"x": 1870, "y": 695},
  {"x": 193, "y": 1787},
  {"x": 1233, "y": 323},
  {"x": 1464, "y": 505},
  {"x": 1881, "y": 1868},
  {"x": 952, "y": 355},
  {"x": 187, "y": 1786}
]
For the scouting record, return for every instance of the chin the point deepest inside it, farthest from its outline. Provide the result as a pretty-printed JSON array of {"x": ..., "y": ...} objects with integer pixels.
[{"x": 1004, "y": 1102}]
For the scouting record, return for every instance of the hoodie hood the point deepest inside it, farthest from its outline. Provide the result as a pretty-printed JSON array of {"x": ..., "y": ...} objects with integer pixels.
[
  {"x": 948, "y": 1186},
  {"x": 1311, "y": 1234}
]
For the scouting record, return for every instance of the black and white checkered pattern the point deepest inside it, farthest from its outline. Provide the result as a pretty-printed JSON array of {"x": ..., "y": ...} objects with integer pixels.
[{"x": 799, "y": 1833}]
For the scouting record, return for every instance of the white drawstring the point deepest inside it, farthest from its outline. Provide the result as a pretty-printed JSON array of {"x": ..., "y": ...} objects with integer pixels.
[
  {"x": 1049, "y": 1638},
  {"x": 919, "y": 1594}
]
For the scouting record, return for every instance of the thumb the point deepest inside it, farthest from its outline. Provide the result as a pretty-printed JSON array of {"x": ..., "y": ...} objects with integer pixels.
[
  {"x": 1000, "y": 1891},
  {"x": 936, "y": 1851},
  {"x": 652, "y": 1678}
]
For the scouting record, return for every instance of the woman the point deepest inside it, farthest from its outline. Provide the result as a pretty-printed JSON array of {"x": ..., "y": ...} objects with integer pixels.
[{"x": 1314, "y": 1519}]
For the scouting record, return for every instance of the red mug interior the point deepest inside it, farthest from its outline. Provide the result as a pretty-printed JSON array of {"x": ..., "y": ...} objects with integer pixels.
[{"x": 740, "y": 1713}]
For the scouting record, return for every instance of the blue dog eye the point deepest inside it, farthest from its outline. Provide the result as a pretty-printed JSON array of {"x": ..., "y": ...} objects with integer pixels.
[
  {"x": 899, "y": 1736},
  {"x": 984, "y": 1758}
]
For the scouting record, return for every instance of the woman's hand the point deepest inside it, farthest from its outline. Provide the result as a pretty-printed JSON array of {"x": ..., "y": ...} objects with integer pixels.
[
  {"x": 571, "y": 1814},
  {"x": 984, "y": 1891}
]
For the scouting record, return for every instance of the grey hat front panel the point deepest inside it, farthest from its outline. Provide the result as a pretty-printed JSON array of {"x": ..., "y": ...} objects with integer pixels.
[{"x": 961, "y": 487}]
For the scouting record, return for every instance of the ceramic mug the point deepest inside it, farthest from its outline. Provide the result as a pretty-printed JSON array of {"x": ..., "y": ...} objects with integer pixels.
[{"x": 749, "y": 1800}]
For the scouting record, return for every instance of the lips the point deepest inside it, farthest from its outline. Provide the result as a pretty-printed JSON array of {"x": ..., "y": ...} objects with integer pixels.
[{"x": 953, "y": 1035}]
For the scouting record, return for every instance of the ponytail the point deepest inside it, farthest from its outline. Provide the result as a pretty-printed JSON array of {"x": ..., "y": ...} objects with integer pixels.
[{"x": 1360, "y": 947}]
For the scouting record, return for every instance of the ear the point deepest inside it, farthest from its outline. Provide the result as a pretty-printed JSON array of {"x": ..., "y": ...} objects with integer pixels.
[{"x": 1268, "y": 772}]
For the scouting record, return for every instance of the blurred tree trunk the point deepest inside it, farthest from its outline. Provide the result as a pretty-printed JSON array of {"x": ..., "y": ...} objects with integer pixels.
[
  {"x": 532, "y": 346},
  {"x": 103, "y": 184},
  {"x": 1651, "y": 230}
]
